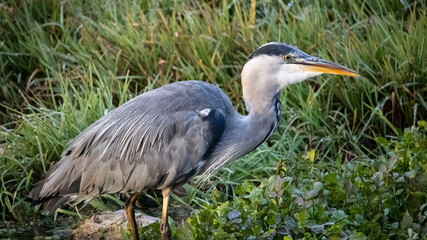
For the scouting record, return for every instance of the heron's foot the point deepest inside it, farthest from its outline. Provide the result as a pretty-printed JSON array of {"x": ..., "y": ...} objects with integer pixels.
[{"x": 165, "y": 231}]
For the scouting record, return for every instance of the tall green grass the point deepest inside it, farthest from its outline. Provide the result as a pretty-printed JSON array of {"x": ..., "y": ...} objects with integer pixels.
[{"x": 64, "y": 64}]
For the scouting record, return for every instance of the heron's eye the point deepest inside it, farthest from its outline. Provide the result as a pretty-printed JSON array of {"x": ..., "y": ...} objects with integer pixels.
[{"x": 287, "y": 57}]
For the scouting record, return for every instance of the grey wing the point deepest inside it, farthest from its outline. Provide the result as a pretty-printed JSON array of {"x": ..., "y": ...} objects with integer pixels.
[
  {"x": 167, "y": 156},
  {"x": 135, "y": 151}
]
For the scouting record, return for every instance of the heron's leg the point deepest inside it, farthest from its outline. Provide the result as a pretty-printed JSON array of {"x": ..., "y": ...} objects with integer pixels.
[
  {"x": 164, "y": 225},
  {"x": 130, "y": 215}
]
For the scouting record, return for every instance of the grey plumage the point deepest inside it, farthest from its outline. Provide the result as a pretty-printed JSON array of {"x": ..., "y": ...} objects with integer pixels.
[
  {"x": 119, "y": 152},
  {"x": 162, "y": 138}
]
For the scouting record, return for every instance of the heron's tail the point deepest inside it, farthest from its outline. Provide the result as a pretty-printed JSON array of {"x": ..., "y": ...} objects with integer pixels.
[
  {"x": 53, "y": 199},
  {"x": 52, "y": 203}
]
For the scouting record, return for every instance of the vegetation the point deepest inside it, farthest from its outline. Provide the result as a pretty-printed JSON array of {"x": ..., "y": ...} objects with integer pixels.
[{"x": 349, "y": 158}]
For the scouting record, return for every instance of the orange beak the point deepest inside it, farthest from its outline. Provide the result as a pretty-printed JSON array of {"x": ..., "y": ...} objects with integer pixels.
[{"x": 323, "y": 66}]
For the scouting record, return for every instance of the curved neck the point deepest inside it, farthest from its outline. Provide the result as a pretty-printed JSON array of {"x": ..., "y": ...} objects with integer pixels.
[
  {"x": 244, "y": 133},
  {"x": 261, "y": 92}
]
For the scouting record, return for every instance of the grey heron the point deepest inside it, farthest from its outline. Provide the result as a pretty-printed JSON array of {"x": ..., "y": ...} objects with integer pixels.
[{"x": 162, "y": 138}]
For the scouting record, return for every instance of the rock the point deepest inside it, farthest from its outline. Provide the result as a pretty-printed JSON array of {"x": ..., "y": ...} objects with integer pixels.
[{"x": 108, "y": 225}]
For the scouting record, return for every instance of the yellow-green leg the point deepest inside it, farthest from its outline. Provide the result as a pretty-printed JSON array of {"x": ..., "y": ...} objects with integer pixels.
[{"x": 164, "y": 225}]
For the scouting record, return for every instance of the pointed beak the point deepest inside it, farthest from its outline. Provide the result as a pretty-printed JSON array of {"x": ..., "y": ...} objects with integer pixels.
[{"x": 314, "y": 64}]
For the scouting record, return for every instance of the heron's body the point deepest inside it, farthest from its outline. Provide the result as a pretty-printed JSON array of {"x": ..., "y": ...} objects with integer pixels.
[
  {"x": 172, "y": 135},
  {"x": 162, "y": 138}
]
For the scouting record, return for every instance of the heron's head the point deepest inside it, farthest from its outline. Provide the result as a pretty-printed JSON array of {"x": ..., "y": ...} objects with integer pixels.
[{"x": 278, "y": 65}]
